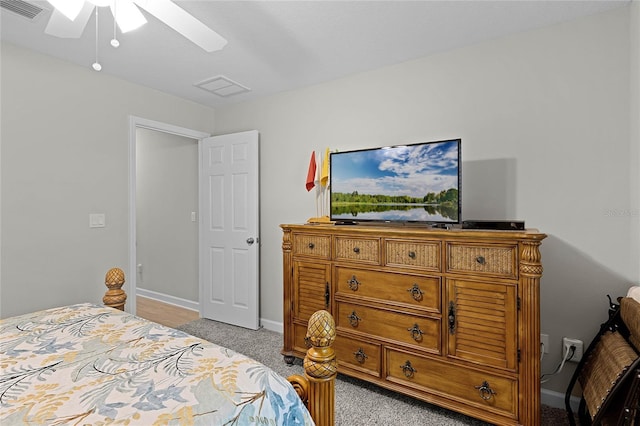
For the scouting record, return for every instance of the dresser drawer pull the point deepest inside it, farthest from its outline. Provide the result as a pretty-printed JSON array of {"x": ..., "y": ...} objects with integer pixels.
[
  {"x": 412, "y": 254},
  {"x": 360, "y": 356},
  {"x": 311, "y": 246},
  {"x": 416, "y": 333},
  {"x": 416, "y": 293},
  {"x": 354, "y": 319},
  {"x": 481, "y": 260},
  {"x": 356, "y": 250},
  {"x": 353, "y": 283},
  {"x": 408, "y": 369},
  {"x": 485, "y": 391},
  {"x": 327, "y": 296},
  {"x": 452, "y": 318}
]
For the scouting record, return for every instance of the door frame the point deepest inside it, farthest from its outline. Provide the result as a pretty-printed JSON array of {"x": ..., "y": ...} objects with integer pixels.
[{"x": 134, "y": 124}]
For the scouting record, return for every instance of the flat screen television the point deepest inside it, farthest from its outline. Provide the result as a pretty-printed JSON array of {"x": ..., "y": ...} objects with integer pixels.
[{"x": 418, "y": 183}]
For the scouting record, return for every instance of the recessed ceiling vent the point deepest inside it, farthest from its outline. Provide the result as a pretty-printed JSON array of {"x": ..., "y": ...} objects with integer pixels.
[
  {"x": 22, "y": 8},
  {"x": 222, "y": 86}
]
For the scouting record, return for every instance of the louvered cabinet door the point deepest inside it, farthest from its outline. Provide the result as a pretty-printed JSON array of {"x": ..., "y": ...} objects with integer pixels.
[
  {"x": 312, "y": 292},
  {"x": 481, "y": 323}
]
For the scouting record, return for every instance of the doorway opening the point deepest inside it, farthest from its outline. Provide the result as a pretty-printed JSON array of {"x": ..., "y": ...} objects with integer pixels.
[{"x": 137, "y": 123}]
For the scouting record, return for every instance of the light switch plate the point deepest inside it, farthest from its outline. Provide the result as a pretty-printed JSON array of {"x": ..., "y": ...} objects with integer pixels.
[{"x": 96, "y": 220}]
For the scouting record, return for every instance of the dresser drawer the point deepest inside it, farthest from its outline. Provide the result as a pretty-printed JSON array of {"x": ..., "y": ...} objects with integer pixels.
[
  {"x": 473, "y": 387},
  {"x": 361, "y": 250},
  {"x": 358, "y": 355},
  {"x": 312, "y": 245},
  {"x": 491, "y": 260},
  {"x": 388, "y": 287},
  {"x": 413, "y": 254},
  {"x": 413, "y": 330}
]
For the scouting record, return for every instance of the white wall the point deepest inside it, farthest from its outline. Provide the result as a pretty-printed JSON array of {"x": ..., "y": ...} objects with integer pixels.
[
  {"x": 167, "y": 194},
  {"x": 65, "y": 142},
  {"x": 545, "y": 127}
]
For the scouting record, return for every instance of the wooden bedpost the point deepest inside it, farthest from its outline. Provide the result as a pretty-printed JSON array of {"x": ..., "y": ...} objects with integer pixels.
[
  {"x": 317, "y": 387},
  {"x": 115, "y": 296}
]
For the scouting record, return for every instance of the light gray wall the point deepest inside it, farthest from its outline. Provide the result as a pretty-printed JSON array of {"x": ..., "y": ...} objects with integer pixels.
[
  {"x": 634, "y": 141},
  {"x": 545, "y": 127},
  {"x": 554, "y": 111},
  {"x": 65, "y": 142},
  {"x": 167, "y": 194}
]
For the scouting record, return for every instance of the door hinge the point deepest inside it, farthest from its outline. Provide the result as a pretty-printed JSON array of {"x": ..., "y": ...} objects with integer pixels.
[
  {"x": 518, "y": 303},
  {"x": 518, "y": 355}
]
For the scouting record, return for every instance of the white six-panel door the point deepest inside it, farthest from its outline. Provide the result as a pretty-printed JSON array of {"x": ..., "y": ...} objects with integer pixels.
[{"x": 229, "y": 229}]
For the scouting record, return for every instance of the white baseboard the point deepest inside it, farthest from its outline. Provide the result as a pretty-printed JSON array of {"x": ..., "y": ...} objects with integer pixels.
[
  {"x": 272, "y": 325},
  {"x": 171, "y": 300},
  {"x": 556, "y": 399}
]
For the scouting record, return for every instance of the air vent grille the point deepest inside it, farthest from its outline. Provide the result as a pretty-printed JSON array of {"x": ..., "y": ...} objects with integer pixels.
[
  {"x": 222, "y": 86},
  {"x": 22, "y": 8}
]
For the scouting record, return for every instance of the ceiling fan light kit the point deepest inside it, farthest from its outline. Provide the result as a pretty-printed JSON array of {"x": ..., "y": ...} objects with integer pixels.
[{"x": 127, "y": 15}]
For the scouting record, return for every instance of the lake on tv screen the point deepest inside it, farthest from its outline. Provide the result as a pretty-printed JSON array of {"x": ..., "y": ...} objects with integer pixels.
[{"x": 402, "y": 213}]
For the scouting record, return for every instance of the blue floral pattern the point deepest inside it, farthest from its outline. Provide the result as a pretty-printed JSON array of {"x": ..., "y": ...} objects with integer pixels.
[{"x": 86, "y": 364}]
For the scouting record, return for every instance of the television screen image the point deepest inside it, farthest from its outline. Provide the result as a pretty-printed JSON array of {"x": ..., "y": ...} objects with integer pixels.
[{"x": 408, "y": 183}]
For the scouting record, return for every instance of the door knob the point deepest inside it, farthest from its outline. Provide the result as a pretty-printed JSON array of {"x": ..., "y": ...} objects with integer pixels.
[{"x": 250, "y": 240}]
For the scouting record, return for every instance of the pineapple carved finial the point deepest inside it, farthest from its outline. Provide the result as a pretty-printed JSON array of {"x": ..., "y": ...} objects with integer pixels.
[{"x": 115, "y": 296}]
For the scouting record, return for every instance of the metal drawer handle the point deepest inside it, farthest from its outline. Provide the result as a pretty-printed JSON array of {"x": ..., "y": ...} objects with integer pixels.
[
  {"x": 360, "y": 356},
  {"x": 408, "y": 370},
  {"x": 312, "y": 246},
  {"x": 416, "y": 333},
  {"x": 416, "y": 293},
  {"x": 481, "y": 260},
  {"x": 327, "y": 296},
  {"x": 452, "y": 318},
  {"x": 356, "y": 249},
  {"x": 353, "y": 283},
  {"x": 354, "y": 319},
  {"x": 412, "y": 254},
  {"x": 485, "y": 391}
]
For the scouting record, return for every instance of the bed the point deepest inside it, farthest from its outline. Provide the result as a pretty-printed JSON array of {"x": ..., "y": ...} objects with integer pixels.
[{"x": 90, "y": 364}]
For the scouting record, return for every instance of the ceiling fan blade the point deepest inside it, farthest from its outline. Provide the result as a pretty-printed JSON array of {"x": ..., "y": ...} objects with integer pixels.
[
  {"x": 69, "y": 8},
  {"x": 127, "y": 15},
  {"x": 61, "y": 26},
  {"x": 184, "y": 23}
]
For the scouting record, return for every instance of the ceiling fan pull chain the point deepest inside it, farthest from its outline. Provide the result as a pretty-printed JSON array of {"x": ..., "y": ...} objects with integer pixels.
[
  {"x": 96, "y": 65},
  {"x": 114, "y": 41}
]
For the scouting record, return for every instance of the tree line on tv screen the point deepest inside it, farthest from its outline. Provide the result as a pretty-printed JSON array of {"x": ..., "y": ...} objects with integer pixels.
[{"x": 446, "y": 197}]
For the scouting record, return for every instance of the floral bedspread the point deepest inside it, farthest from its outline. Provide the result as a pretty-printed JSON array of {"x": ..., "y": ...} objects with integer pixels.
[{"x": 90, "y": 365}]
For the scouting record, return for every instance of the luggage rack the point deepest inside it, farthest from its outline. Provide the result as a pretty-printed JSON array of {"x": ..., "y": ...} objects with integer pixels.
[{"x": 609, "y": 371}]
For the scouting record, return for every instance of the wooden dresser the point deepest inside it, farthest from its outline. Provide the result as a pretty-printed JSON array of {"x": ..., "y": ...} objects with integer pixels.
[{"x": 451, "y": 317}]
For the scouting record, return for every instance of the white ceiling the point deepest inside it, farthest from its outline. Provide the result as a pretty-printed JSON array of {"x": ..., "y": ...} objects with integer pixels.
[{"x": 275, "y": 46}]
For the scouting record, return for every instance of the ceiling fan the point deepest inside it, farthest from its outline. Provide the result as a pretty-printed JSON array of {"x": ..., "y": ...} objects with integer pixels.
[{"x": 70, "y": 17}]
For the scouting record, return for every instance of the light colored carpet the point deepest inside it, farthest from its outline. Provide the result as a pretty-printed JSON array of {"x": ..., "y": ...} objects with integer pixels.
[{"x": 357, "y": 402}]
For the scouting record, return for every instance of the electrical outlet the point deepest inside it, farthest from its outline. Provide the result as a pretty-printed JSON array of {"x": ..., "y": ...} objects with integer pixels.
[
  {"x": 544, "y": 339},
  {"x": 566, "y": 346}
]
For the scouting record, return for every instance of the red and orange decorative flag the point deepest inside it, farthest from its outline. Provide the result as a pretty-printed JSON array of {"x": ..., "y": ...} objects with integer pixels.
[{"x": 311, "y": 174}]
